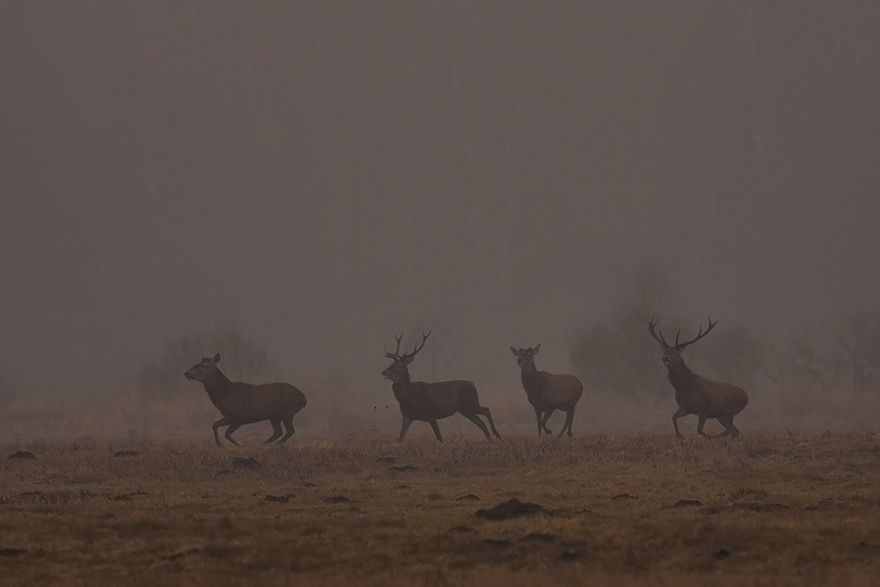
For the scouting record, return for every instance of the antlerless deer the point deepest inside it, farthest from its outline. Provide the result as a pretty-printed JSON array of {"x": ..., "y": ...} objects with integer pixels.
[
  {"x": 429, "y": 402},
  {"x": 246, "y": 403},
  {"x": 548, "y": 392},
  {"x": 695, "y": 394}
]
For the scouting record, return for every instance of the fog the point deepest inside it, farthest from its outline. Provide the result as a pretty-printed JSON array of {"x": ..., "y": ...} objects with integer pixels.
[{"x": 324, "y": 175}]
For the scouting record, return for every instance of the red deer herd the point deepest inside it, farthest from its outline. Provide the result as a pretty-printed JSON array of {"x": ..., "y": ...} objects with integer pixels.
[{"x": 246, "y": 403}]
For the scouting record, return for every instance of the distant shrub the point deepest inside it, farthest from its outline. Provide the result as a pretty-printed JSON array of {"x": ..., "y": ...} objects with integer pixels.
[{"x": 616, "y": 356}]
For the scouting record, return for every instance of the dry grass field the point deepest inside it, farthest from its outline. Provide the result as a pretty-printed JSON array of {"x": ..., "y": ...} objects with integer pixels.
[{"x": 766, "y": 509}]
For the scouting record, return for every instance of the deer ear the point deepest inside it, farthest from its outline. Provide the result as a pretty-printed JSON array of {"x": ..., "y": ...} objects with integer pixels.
[
  {"x": 408, "y": 360},
  {"x": 537, "y": 348},
  {"x": 217, "y": 358},
  {"x": 513, "y": 350}
]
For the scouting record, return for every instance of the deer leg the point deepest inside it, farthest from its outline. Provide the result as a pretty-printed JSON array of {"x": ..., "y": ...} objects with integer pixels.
[
  {"x": 546, "y": 417},
  {"x": 729, "y": 428},
  {"x": 221, "y": 422},
  {"x": 681, "y": 412},
  {"x": 276, "y": 426},
  {"x": 476, "y": 420},
  {"x": 485, "y": 412},
  {"x": 538, "y": 416},
  {"x": 404, "y": 427},
  {"x": 569, "y": 417},
  {"x": 436, "y": 428},
  {"x": 288, "y": 424},
  {"x": 700, "y": 425},
  {"x": 232, "y": 428}
]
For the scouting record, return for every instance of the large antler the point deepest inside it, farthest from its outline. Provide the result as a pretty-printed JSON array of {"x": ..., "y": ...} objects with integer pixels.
[
  {"x": 700, "y": 334},
  {"x": 395, "y": 354},
  {"x": 418, "y": 347},
  {"x": 651, "y": 324},
  {"x": 678, "y": 345}
]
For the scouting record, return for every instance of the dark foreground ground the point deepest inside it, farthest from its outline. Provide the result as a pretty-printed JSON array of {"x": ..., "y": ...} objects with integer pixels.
[{"x": 767, "y": 510}]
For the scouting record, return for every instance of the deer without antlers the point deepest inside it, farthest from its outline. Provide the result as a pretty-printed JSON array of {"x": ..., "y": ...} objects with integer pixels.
[
  {"x": 548, "y": 392},
  {"x": 695, "y": 394},
  {"x": 246, "y": 403},
  {"x": 429, "y": 402}
]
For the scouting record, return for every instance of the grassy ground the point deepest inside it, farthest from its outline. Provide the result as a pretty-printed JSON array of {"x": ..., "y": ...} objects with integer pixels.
[{"x": 766, "y": 509}]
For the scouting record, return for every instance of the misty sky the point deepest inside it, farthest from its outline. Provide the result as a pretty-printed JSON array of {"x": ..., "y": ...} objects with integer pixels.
[{"x": 326, "y": 174}]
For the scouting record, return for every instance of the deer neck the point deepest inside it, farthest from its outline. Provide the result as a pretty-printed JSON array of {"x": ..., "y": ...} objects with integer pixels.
[
  {"x": 217, "y": 385},
  {"x": 532, "y": 379},
  {"x": 680, "y": 375},
  {"x": 400, "y": 387}
]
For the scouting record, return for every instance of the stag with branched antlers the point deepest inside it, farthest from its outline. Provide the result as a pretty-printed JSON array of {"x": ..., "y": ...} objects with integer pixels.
[
  {"x": 695, "y": 394},
  {"x": 429, "y": 402}
]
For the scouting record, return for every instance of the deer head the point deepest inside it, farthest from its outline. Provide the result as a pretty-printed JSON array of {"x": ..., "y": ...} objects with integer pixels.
[
  {"x": 672, "y": 353},
  {"x": 525, "y": 357},
  {"x": 203, "y": 369},
  {"x": 397, "y": 370}
]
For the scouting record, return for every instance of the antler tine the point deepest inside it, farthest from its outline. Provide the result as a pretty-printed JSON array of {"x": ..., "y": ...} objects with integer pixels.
[
  {"x": 651, "y": 324},
  {"x": 700, "y": 335},
  {"x": 396, "y": 354},
  {"x": 419, "y": 347}
]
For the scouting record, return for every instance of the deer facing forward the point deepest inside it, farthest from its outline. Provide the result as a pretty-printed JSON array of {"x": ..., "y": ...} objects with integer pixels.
[
  {"x": 695, "y": 394},
  {"x": 429, "y": 402},
  {"x": 548, "y": 392},
  {"x": 246, "y": 403}
]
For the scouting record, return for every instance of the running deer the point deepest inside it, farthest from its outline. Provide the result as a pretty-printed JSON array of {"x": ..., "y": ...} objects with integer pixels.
[
  {"x": 246, "y": 403},
  {"x": 698, "y": 395},
  {"x": 429, "y": 402},
  {"x": 548, "y": 392}
]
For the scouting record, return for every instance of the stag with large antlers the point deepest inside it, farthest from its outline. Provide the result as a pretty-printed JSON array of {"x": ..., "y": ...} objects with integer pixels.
[
  {"x": 695, "y": 394},
  {"x": 548, "y": 392},
  {"x": 429, "y": 402},
  {"x": 246, "y": 403}
]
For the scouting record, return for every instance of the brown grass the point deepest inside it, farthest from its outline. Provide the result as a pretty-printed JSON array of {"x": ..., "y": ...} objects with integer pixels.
[{"x": 773, "y": 510}]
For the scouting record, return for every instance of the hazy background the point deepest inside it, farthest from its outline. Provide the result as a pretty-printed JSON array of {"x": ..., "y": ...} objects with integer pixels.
[{"x": 322, "y": 175}]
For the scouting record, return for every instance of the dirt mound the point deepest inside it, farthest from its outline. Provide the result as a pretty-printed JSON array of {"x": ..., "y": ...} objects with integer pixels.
[
  {"x": 22, "y": 454},
  {"x": 510, "y": 509},
  {"x": 242, "y": 463}
]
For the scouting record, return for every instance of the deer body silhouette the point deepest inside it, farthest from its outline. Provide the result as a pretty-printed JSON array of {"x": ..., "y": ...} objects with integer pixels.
[
  {"x": 548, "y": 392},
  {"x": 429, "y": 402},
  {"x": 695, "y": 394},
  {"x": 247, "y": 403}
]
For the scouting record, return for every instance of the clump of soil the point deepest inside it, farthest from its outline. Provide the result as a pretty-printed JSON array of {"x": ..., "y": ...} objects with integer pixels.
[
  {"x": 683, "y": 503},
  {"x": 622, "y": 496},
  {"x": 22, "y": 454},
  {"x": 468, "y": 497},
  {"x": 277, "y": 498},
  {"x": 510, "y": 509},
  {"x": 242, "y": 463},
  {"x": 337, "y": 499},
  {"x": 403, "y": 468}
]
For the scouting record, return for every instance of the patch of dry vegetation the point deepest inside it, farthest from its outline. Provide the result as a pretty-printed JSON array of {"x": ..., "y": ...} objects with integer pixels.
[{"x": 642, "y": 510}]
